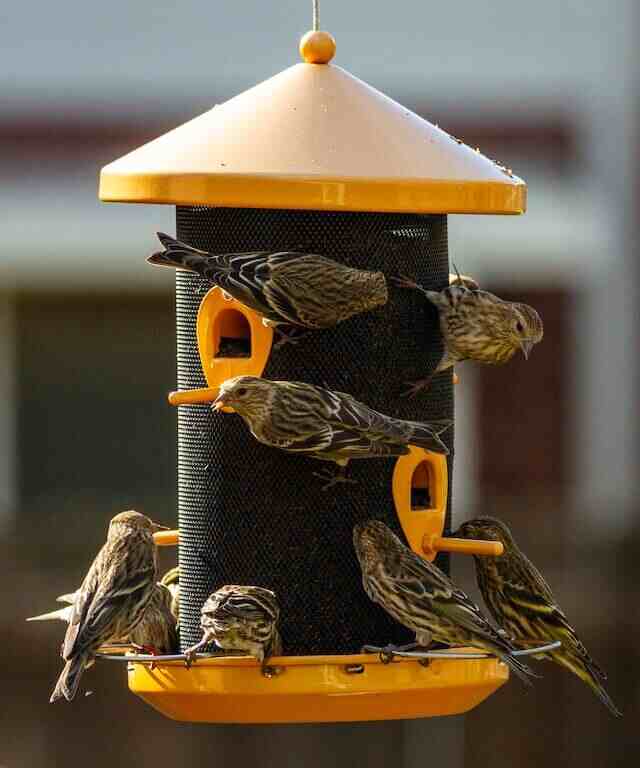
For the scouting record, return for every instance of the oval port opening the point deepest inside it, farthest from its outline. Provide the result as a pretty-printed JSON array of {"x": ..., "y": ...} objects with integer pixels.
[
  {"x": 421, "y": 485},
  {"x": 232, "y": 335}
]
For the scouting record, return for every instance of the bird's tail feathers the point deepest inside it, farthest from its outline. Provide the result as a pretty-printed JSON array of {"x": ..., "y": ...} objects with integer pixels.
[
  {"x": 69, "y": 597},
  {"x": 589, "y": 675},
  {"x": 62, "y": 614},
  {"x": 69, "y": 680},
  {"x": 177, "y": 254},
  {"x": 519, "y": 669},
  {"x": 427, "y": 435}
]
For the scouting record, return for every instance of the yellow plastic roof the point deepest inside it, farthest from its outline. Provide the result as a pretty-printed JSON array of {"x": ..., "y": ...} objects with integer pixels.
[{"x": 313, "y": 137}]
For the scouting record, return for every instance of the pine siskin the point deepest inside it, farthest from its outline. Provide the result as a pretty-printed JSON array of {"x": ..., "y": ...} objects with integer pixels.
[
  {"x": 156, "y": 631},
  {"x": 171, "y": 580},
  {"x": 324, "y": 424},
  {"x": 243, "y": 619},
  {"x": 476, "y": 325},
  {"x": 520, "y": 601},
  {"x": 287, "y": 288},
  {"x": 420, "y": 597},
  {"x": 113, "y": 596}
]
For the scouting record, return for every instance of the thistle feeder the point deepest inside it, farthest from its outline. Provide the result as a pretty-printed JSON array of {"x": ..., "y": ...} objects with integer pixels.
[{"x": 312, "y": 159}]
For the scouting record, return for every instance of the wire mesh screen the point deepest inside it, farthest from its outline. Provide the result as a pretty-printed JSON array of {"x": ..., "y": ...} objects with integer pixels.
[{"x": 250, "y": 514}]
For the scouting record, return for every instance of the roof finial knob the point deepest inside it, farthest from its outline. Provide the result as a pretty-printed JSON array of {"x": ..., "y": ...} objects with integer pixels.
[{"x": 317, "y": 47}]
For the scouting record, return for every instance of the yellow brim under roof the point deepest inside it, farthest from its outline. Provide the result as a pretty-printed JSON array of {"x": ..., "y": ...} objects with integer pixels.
[{"x": 314, "y": 137}]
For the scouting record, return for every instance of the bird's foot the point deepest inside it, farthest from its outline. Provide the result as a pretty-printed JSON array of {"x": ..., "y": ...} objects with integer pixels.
[
  {"x": 387, "y": 652},
  {"x": 334, "y": 478},
  {"x": 270, "y": 671},
  {"x": 417, "y": 386},
  {"x": 292, "y": 337},
  {"x": 190, "y": 654}
]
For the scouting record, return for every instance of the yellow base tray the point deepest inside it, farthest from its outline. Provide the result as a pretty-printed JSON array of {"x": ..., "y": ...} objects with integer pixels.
[{"x": 315, "y": 689}]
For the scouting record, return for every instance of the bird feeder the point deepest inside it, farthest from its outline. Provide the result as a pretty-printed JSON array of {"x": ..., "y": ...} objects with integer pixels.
[{"x": 315, "y": 160}]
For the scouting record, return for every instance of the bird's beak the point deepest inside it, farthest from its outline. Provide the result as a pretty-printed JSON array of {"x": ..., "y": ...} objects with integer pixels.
[
  {"x": 218, "y": 404},
  {"x": 526, "y": 347},
  {"x": 157, "y": 527}
]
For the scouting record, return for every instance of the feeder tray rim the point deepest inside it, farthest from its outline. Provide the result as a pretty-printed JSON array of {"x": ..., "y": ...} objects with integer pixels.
[{"x": 373, "y": 657}]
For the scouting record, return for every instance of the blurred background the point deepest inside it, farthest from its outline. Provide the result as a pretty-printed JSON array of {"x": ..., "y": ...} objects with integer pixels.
[{"x": 87, "y": 343}]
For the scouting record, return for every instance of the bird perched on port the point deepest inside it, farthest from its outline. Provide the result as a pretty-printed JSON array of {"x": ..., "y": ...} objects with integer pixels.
[
  {"x": 112, "y": 598},
  {"x": 418, "y": 595},
  {"x": 240, "y": 618},
  {"x": 521, "y": 602},
  {"x": 286, "y": 288},
  {"x": 477, "y": 325},
  {"x": 322, "y": 423}
]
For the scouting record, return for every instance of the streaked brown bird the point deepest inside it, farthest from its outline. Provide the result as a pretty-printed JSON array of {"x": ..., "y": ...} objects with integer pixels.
[
  {"x": 520, "y": 601},
  {"x": 113, "y": 597},
  {"x": 241, "y": 618},
  {"x": 322, "y": 423},
  {"x": 171, "y": 580},
  {"x": 477, "y": 325},
  {"x": 422, "y": 598},
  {"x": 286, "y": 288},
  {"x": 155, "y": 633}
]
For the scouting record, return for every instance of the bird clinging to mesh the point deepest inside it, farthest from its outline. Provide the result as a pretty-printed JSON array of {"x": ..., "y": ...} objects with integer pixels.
[
  {"x": 112, "y": 598},
  {"x": 521, "y": 602},
  {"x": 322, "y": 423},
  {"x": 418, "y": 595},
  {"x": 299, "y": 290},
  {"x": 242, "y": 619},
  {"x": 477, "y": 325}
]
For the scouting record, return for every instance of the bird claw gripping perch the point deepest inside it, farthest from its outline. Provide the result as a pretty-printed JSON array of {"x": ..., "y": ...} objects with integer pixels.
[
  {"x": 415, "y": 387},
  {"x": 388, "y": 652},
  {"x": 334, "y": 478}
]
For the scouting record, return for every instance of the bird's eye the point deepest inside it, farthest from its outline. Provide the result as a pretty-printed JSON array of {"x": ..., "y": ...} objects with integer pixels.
[
  {"x": 242, "y": 392},
  {"x": 519, "y": 327}
]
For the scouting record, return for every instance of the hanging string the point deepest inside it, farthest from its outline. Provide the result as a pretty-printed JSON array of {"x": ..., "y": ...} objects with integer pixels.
[{"x": 316, "y": 15}]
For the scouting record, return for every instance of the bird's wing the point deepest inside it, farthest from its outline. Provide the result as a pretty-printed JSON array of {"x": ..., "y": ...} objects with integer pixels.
[
  {"x": 533, "y": 605},
  {"x": 358, "y": 429},
  {"x": 425, "y": 579},
  {"x": 102, "y": 596},
  {"x": 317, "y": 292},
  {"x": 243, "y": 276},
  {"x": 249, "y": 277}
]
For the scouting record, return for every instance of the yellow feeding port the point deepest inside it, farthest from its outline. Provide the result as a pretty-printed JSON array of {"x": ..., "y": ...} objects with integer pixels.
[{"x": 315, "y": 689}]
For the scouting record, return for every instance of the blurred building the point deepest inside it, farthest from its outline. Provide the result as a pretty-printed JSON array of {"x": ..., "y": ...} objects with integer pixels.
[{"x": 87, "y": 344}]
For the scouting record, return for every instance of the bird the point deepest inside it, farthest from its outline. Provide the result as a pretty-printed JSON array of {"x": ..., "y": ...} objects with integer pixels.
[
  {"x": 418, "y": 595},
  {"x": 155, "y": 633},
  {"x": 287, "y": 288},
  {"x": 112, "y": 598},
  {"x": 171, "y": 580},
  {"x": 240, "y": 618},
  {"x": 521, "y": 602},
  {"x": 322, "y": 423},
  {"x": 477, "y": 325}
]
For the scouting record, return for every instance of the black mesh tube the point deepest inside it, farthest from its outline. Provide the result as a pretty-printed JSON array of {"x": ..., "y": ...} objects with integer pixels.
[{"x": 250, "y": 514}]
